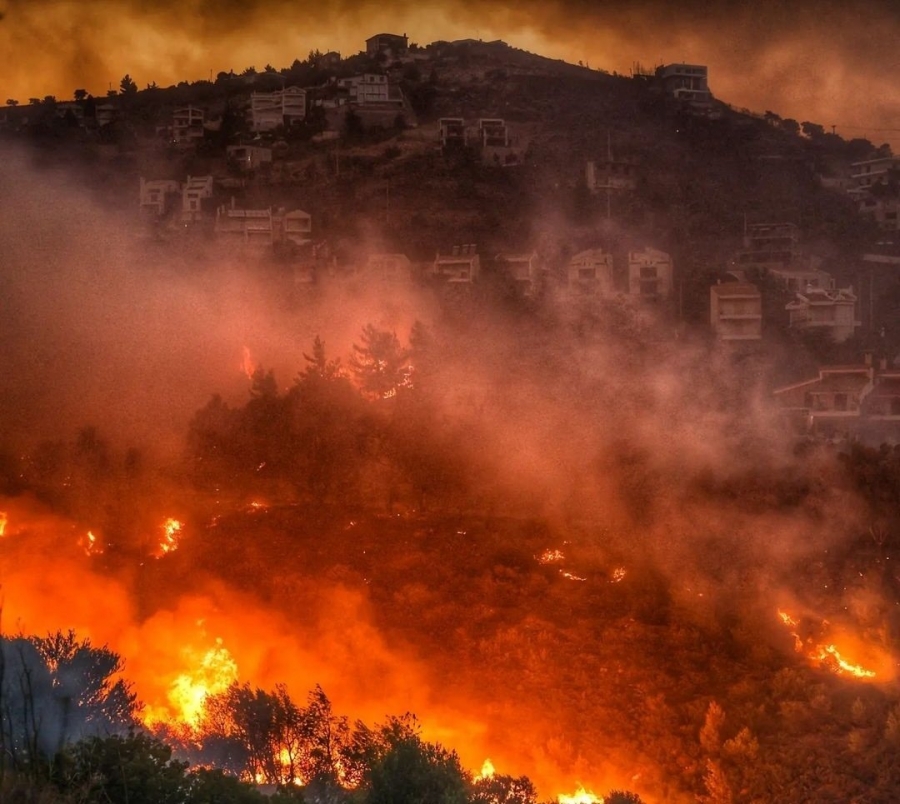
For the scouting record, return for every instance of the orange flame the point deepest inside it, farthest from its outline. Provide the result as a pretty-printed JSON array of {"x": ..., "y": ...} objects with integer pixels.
[
  {"x": 3, "y": 520},
  {"x": 211, "y": 673},
  {"x": 487, "y": 771},
  {"x": 550, "y": 556},
  {"x": 247, "y": 365},
  {"x": 90, "y": 544},
  {"x": 827, "y": 655},
  {"x": 580, "y": 796},
  {"x": 171, "y": 535}
]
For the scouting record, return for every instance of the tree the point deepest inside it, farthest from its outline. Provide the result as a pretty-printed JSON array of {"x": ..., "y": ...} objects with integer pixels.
[
  {"x": 128, "y": 86},
  {"x": 380, "y": 364},
  {"x": 812, "y": 130},
  {"x": 80, "y": 95},
  {"x": 319, "y": 368},
  {"x": 12, "y": 102},
  {"x": 503, "y": 789}
]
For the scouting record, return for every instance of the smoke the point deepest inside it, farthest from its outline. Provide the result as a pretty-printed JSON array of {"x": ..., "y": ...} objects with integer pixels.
[{"x": 825, "y": 63}]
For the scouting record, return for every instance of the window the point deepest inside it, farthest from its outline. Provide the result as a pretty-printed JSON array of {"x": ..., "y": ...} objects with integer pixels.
[
  {"x": 587, "y": 273},
  {"x": 840, "y": 401}
]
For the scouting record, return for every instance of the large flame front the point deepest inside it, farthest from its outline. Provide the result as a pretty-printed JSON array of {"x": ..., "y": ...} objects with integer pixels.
[
  {"x": 209, "y": 674},
  {"x": 171, "y": 534},
  {"x": 580, "y": 796}
]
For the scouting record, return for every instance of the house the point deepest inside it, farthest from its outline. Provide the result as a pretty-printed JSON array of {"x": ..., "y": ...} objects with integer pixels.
[
  {"x": 801, "y": 279},
  {"x": 769, "y": 245},
  {"x": 248, "y": 157},
  {"x": 193, "y": 192},
  {"x": 610, "y": 174},
  {"x": 883, "y": 210},
  {"x": 860, "y": 402},
  {"x": 295, "y": 226},
  {"x": 452, "y": 132},
  {"x": 687, "y": 83},
  {"x": 461, "y": 266},
  {"x": 650, "y": 274},
  {"x": 870, "y": 172},
  {"x": 238, "y": 226},
  {"x": 155, "y": 196},
  {"x": 590, "y": 273},
  {"x": 830, "y": 403},
  {"x": 492, "y": 132},
  {"x": 284, "y": 107},
  {"x": 832, "y": 310},
  {"x": 523, "y": 268},
  {"x": 735, "y": 311},
  {"x": 187, "y": 125},
  {"x": 392, "y": 45},
  {"x": 390, "y": 268}
]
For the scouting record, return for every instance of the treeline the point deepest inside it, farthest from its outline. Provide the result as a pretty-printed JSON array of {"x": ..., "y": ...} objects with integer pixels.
[
  {"x": 370, "y": 432},
  {"x": 70, "y": 731}
]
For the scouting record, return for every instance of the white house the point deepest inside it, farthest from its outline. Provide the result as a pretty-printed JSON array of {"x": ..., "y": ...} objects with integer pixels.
[{"x": 590, "y": 273}]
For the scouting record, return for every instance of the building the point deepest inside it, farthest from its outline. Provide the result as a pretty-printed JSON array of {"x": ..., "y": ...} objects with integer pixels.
[
  {"x": 769, "y": 245},
  {"x": 859, "y": 402},
  {"x": 610, "y": 174},
  {"x": 156, "y": 195},
  {"x": 187, "y": 125},
  {"x": 590, "y": 273},
  {"x": 866, "y": 174},
  {"x": 883, "y": 210},
  {"x": 688, "y": 83},
  {"x": 834, "y": 311},
  {"x": 452, "y": 132},
  {"x": 284, "y": 107},
  {"x": 388, "y": 268},
  {"x": 392, "y": 45},
  {"x": 735, "y": 311},
  {"x": 650, "y": 275},
  {"x": 193, "y": 193},
  {"x": 295, "y": 226},
  {"x": 523, "y": 268},
  {"x": 800, "y": 279},
  {"x": 492, "y": 132},
  {"x": 461, "y": 266},
  {"x": 239, "y": 227}
]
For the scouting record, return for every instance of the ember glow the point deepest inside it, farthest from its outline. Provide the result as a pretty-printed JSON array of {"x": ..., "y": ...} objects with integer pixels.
[
  {"x": 90, "y": 544},
  {"x": 487, "y": 770},
  {"x": 3, "y": 521},
  {"x": 247, "y": 364}
]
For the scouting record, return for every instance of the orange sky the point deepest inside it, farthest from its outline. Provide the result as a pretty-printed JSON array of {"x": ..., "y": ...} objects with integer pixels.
[{"x": 829, "y": 62}]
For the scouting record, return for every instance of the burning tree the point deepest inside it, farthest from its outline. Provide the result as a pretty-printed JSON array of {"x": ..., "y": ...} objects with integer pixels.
[{"x": 380, "y": 364}]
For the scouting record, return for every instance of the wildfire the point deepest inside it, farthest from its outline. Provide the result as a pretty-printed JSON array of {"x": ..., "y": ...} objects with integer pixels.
[
  {"x": 247, "y": 363},
  {"x": 215, "y": 671},
  {"x": 580, "y": 796},
  {"x": 618, "y": 575},
  {"x": 90, "y": 544},
  {"x": 171, "y": 536},
  {"x": 487, "y": 771},
  {"x": 571, "y": 576},
  {"x": 827, "y": 655},
  {"x": 3, "y": 520},
  {"x": 550, "y": 557}
]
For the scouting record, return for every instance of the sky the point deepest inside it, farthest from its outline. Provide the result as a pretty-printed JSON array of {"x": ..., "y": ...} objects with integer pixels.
[{"x": 833, "y": 63}]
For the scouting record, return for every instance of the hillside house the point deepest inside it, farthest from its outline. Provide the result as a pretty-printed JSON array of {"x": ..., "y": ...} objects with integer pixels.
[
  {"x": 610, "y": 174},
  {"x": 391, "y": 45},
  {"x": 461, "y": 266},
  {"x": 156, "y": 196},
  {"x": 388, "y": 268},
  {"x": 735, "y": 311},
  {"x": 590, "y": 273},
  {"x": 688, "y": 83},
  {"x": 492, "y": 132},
  {"x": 834, "y": 311},
  {"x": 284, "y": 107},
  {"x": 452, "y": 132},
  {"x": 238, "y": 227},
  {"x": 523, "y": 268},
  {"x": 882, "y": 210},
  {"x": 193, "y": 193},
  {"x": 769, "y": 245},
  {"x": 801, "y": 279},
  {"x": 868, "y": 173},
  {"x": 187, "y": 125},
  {"x": 650, "y": 275},
  {"x": 295, "y": 226}
]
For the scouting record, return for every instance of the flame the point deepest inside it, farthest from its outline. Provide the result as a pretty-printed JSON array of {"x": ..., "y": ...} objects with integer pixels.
[
  {"x": 618, "y": 574},
  {"x": 89, "y": 544},
  {"x": 827, "y": 655},
  {"x": 213, "y": 673},
  {"x": 247, "y": 365},
  {"x": 171, "y": 535},
  {"x": 580, "y": 796},
  {"x": 571, "y": 577},
  {"x": 3, "y": 520},
  {"x": 487, "y": 771},
  {"x": 550, "y": 556}
]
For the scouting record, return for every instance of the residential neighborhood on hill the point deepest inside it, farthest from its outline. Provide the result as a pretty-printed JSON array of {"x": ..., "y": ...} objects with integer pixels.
[{"x": 483, "y": 168}]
